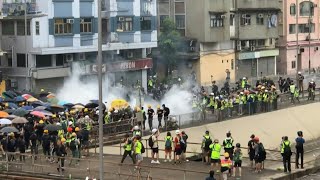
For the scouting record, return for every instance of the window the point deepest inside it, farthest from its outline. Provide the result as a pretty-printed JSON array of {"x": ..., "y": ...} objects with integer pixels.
[
  {"x": 292, "y": 28},
  {"x": 306, "y": 8},
  {"x": 124, "y": 24},
  {"x": 85, "y": 25},
  {"x": 145, "y": 23},
  {"x": 271, "y": 41},
  {"x": 60, "y": 59},
  {"x": 21, "y": 61},
  {"x": 293, "y": 64},
  {"x": 179, "y": 8},
  {"x": 216, "y": 20},
  {"x": 63, "y": 26},
  {"x": 245, "y": 19},
  {"x": 43, "y": 61},
  {"x": 231, "y": 19},
  {"x": 37, "y": 28},
  {"x": 260, "y": 19},
  {"x": 232, "y": 65},
  {"x": 7, "y": 28},
  {"x": 180, "y": 21},
  {"x": 162, "y": 18},
  {"x": 292, "y": 9},
  {"x": 20, "y": 28},
  {"x": 10, "y": 61},
  {"x": 261, "y": 42},
  {"x": 305, "y": 28}
]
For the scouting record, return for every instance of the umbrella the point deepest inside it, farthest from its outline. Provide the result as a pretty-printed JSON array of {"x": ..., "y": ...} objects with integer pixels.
[
  {"x": 8, "y": 99},
  {"x": 46, "y": 113},
  {"x": 62, "y": 103},
  {"x": 38, "y": 114},
  {"x": 78, "y": 106},
  {"x": 19, "y": 120},
  {"x": 55, "y": 108},
  {"x": 43, "y": 94},
  {"x": 85, "y": 120},
  {"x": 32, "y": 99},
  {"x": 19, "y": 99},
  {"x": 52, "y": 127},
  {"x": 1, "y": 99},
  {"x": 119, "y": 104},
  {"x": 27, "y": 96},
  {"x": 12, "y": 116},
  {"x": 5, "y": 121},
  {"x": 20, "y": 112},
  {"x": 53, "y": 100},
  {"x": 40, "y": 108},
  {"x": 3, "y": 114},
  {"x": 9, "y": 130},
  {"x": 9, "y": 111},
  {"x": 68, "y": 105},
  {"x": 13, "y": 105},
  {"x": 92, "y": 105},
  {"x": 36, "y": 104},
  {"x": 51, "y": 95},
  {"x": 28, "y": 108},
  {"x": 9, "y": 94}
]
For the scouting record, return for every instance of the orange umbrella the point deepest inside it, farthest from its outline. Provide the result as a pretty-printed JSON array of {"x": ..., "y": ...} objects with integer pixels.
[
  {"x": 3, "y": 114},
  {"x": 51, "y": 96}
]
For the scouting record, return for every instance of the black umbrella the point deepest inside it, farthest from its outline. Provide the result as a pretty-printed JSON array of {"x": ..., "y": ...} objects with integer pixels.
[
  {"x": 91, "y": 105},
  {"x": 10, "y": 94},
  {"x": 55, "y": 108},
  {"x": 9, "y": 130},
  {"x": 68, "y": 105},
  {"x": 52, "y": 127},
  {"x": 20, "y": 112},
  {"x": 36, "y": 104},
  {"x": 7, "y": 99},
  {"x": 79, "y": 104},
  {"x": 9, "y": 111}
]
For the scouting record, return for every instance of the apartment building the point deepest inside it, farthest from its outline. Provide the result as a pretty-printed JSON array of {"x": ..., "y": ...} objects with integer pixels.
[
  {"x": 63, "y": 32},
  {"x": 236, "y": 38},
  {"x": 302, "y": 54}
]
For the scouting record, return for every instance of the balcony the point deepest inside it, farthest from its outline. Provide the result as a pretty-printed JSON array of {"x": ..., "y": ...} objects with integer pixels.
[
  {"x": 258, "y": 4},
  {"x": 17, "y": 7},
  {"x": 45, "y": 73}
]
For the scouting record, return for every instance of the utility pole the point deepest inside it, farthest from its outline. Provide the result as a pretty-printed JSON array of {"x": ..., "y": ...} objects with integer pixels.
[
  {"x": 25, "y": 42},
  {"x": 310, "y": 26},
  {"x": 297, "y": 35},
  {"x": 99, "y": 64}
]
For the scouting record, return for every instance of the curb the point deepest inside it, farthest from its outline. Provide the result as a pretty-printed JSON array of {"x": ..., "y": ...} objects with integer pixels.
[{"x": 297, "y": 174}]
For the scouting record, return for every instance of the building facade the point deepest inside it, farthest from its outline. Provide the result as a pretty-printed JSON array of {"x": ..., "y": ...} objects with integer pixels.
[
  {"x": 64, "y": 32},
  {"x": 236, "y": 38},
  {"x": 302, "y": 54}
]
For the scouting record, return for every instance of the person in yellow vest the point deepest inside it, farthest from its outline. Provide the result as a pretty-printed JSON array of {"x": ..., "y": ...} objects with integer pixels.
[
  {"x": 292, "y": 88},
  {"x": 230, "y": 106},
  {"x": 226, "y": 164},
  {"x": 241, "y": 103},
  {"x": 127, "y": 149},
  {"x": 265, "y": 99},
  {"x": 215, "y": 154},
  {"x": 296, "y": 94},
  {"x": 211, "y": 103},
  {"x": 60, "y": 132},
  {"x": 286, "y": 154},
  {"x": 138, "y": 150},
  {"x": 107, "y": 118},
  {"x": 259, "y": 103}
]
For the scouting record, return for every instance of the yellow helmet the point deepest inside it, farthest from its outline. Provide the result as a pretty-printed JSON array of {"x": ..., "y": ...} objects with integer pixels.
[
  {"x": 74, "y": 134},
  {"x": 63, "y": 140},
  {"x": 66, "y": 113},
  {"x": 77, "y": 129},
  {"x": 85, "y": 110},
  {"x": 45, "y": 131},
  {"x": 149, "y": 106},
  {"x": 6, "y": 104},
  {"x": 226, "y": 155},
  {"x": 11, "y": 134},
  {"x": 158, "y": 107},
  {"x": 41, "y": 122},
  {"x": 54, "y": 116},
  {"x": 42, "y": 90}
]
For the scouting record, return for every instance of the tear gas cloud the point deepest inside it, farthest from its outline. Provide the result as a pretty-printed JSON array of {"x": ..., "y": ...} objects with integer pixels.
[{"x": 76, "y": 90}]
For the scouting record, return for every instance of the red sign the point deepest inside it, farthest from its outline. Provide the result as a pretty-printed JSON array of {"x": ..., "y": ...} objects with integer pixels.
[{"x": 130, "y": 65}]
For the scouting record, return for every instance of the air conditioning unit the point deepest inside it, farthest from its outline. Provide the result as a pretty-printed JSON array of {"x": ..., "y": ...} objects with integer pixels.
[
  {"x": 82, "y": 56},
  {"x": 223, "y": 16},
  {"x": 130, "y": 55},
  {"x": 69, "y": 57},
  {"x": 243, "y": 15},
  {"x": 247, "y": 44},
  {"x": 70, "y": 21},
  {"x": 120, "y": 18},
  {"x": 260, "y": 15},
  {"x": 252, "y": 48},
  {"x": 239, "y": 45}
]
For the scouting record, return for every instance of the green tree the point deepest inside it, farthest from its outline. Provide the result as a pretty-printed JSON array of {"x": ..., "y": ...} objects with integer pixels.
[{"x": 169, "y": 42}]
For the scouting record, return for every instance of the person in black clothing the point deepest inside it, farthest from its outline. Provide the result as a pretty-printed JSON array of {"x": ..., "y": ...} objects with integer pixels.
[
  {"x": 11, "y": 147},
  {"x": 85, "y": 141},
  {"x": 22, "y": 147},
  {"x": 27, "y": 134},
  {"x": 34, "y": 144},
  {"x": 144, "y": 118},
  {"x": 166, "y": 112},
  {"x": 150, "y": 116},
  {"x": 61, "y": 153},
  {"x": 160, "y": 114},
  {"x": 251, "y": 151},
  {"x": 299, "y": 149},
  {"x": 214, "y": 87},
  {"x": 46, "y": 143}
]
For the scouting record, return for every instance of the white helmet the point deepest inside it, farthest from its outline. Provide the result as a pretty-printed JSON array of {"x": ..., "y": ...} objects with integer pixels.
[
  {"x": 211, "y": 94},
  {"x": 136, "y": 128},
  {"x": 299, "y": 72},
  {"x": 86, "y": 117},
  {"x": 70, "y": 123},
  {"x": 154, "y": 131},
  {"x": 58, "y": 124},
  {"x": 178, "y": 131}
]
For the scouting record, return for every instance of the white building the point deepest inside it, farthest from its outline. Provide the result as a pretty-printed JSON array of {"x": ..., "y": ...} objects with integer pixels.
[{"x": 61, "y": 32}]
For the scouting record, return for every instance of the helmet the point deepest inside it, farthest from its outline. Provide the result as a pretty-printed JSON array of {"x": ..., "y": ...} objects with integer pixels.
[
  {"x": 58, "y": 124},
  {"x": 154, "y": 131},
  {"x": 216, "y": 141},
  {"x": 70, "y": 123},
  {"x": 77, "y": 129},
  {"x": 158, "y": 107},
  {"x": 41, "y": 121},
  {"x": 67, "y": 113},
  {"x": 11, "y": 134},
  {"x": 241, "y": 93},
  {"x": 265, "y": 90},
  {"x": 69, "y": 129},
  {"x": 41, "y": 90},
  {"x": 149, "y": 106},
  {"x": 211, "y": 94},
  {"x": 299, "y": 72},
  {"x": 54, "y": 116},
  {"x": 207, "y": 132},
  {"x": 216, "y": 98},
  {"x": 85, "y": 110},
  {"x": 74, "y": 134},
  {"x": 63, "y": 140},
  {"x": 244, "y": 78},
  {"x": 86, "y": 117},
  {"x": 226, "y": 155},
  {"x": 45, "y": 131},
  {"x": 178, "y": 131},
  {"x": 136, "y": 128},
  {"x": 116, "y": 111}
]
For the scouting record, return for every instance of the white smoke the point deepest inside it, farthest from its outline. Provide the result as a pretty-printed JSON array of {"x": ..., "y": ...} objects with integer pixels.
[{"x": 76, "y": 90}]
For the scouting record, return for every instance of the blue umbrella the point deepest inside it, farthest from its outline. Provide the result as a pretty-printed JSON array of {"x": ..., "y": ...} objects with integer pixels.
[
  {"x": 1, "y": 99},
  {"x": 12, "y": 105},
  {"x": 61, "y": 103},
  {"x": 19, "y": 99},
  {"x": 36, "y": 104},
  {"x": 28, "y": 108},
  {"x": 7, "y": 99}
]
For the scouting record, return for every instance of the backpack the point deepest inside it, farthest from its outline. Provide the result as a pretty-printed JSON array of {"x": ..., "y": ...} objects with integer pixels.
[
  {"x": 287, "y": 149},
  {"x": 262, "y": 152},
  {"x": 207, "y": 143},
  {"x": 150, "y": 142},
  {"x": 168, "y": 143},
  {"x": 237, "y": 155},
  {"x": 143, "y": 150}
]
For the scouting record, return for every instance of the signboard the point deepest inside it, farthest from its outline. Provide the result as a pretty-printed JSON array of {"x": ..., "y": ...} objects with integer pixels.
[{"x": 95, "y": 68}]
